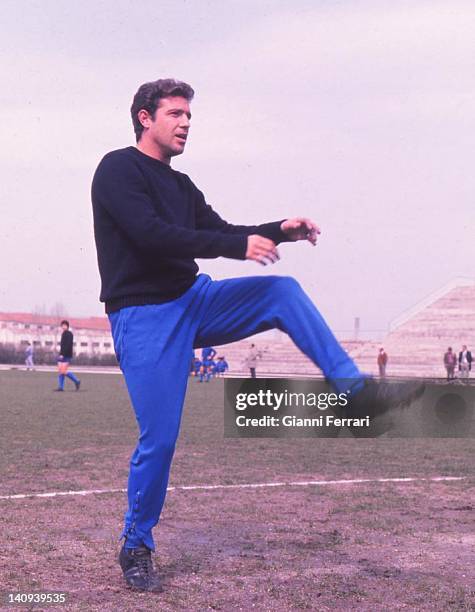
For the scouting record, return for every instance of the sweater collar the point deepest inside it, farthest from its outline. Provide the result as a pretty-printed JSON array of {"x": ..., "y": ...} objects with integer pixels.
[{"x": 150, "y": 160}]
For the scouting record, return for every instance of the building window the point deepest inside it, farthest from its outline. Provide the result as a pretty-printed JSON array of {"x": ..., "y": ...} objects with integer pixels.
[
  {"x": 27, "y": 326},
  {"x": 36, "y": 343},
  {"x": 107, "y": 344},
  {"x": 48, "y": 343},
  {"x": 95, "y": 345},
  {"x": 39, "y": 326},
  {"x": 24, "y": 342},
  {"x": 84, "y": 344}
]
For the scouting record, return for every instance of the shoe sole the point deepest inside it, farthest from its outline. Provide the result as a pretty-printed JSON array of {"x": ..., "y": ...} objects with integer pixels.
[
  {"x": 404, "y": 402},
  {"x": 130, "y": 587}
]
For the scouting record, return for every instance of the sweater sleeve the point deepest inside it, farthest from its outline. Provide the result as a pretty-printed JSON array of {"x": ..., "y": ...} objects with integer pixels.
[
  {"x": 207, "y": 218},
  {"x": 120, "y": 188}
]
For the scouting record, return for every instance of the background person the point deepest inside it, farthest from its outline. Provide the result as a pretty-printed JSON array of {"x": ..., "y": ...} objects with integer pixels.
[
  {"x": 252, "y": 357},
  {"x": 208, "y": 353},
  {"x": 222, "y": 366},
  {"x": 65, "y": 357},
  {"x": 465, "y": 362},
  {"x": 382, "y": 362},
  {"x": 196, "y": 366},
  {"x": 29, "y": 356},
  {"x": 450, "y": 361},
  {"x": 207, "y": 369}
]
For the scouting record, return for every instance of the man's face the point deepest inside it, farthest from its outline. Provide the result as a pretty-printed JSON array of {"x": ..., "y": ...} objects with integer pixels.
[
  {"x": 64, "y": 327},
  {"x": 168, "y": 130}
]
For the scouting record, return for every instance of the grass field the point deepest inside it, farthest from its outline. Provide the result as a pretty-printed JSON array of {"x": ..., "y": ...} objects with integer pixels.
[{"x": 360, "y": 546}]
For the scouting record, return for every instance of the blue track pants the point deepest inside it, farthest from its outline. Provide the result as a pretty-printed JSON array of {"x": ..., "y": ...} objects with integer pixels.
[{"x": 153, "y": 342}]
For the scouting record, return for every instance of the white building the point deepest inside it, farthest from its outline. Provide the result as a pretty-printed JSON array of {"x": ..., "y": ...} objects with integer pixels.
[{"x": 91, "y": 335}]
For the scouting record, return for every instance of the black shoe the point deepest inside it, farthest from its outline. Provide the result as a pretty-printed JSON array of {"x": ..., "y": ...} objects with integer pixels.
[
  {"x": 379, "y": 398},
  {"x": 137, "y": 567},
  {"x": 58, "y": 389},
  {"x": 78, "y": 384}
]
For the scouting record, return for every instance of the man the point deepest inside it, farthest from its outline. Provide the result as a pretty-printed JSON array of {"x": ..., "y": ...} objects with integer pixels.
[
  {"x": 465, "y": 362},
  {"x": 251, "y": 360},
  {"x": 150, "y": 224},
  {"x": 65, "y": 357},
  {"x": 450, "y": 361},
  {"x": 222, "y": 367},
  {"x": 29, "y": 356},
  {"x": 382, "y": 362},
  {"x": 208, "y": 352},
  {"x": 207, "y": 369},
  {"x": 195, "y": 366}
]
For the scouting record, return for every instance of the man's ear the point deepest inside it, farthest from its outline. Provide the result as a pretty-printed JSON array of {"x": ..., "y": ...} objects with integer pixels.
[{"x": 144, "y": 117}]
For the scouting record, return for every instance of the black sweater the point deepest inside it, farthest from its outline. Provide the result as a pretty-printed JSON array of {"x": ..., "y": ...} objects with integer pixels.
[
  {"x": 150, "y": 222},
  {"x": 66, "y": 348}
]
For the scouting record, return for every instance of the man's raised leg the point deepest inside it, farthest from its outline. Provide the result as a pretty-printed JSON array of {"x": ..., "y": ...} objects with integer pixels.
[
  {"x": 245, "y": 306},
  {"x": 241, "y": 307}
]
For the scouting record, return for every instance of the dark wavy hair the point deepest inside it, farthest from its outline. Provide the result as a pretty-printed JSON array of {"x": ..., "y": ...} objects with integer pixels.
[{"x": 149, "y": 95}]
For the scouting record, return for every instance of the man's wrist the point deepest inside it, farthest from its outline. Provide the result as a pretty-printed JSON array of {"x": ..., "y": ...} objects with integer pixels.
[{"x": 285, "y": 237}]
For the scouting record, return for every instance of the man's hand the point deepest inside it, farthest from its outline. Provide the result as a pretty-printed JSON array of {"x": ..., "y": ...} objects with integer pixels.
[
  {"x": 300, "y": 228},
  {"x": 261, "y": 249}
]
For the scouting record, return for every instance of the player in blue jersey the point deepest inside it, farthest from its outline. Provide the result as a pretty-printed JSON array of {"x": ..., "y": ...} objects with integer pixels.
[
  {"x": 221, "y": 367},
  {"x": 196, "y": 366},
  {"x": 207, "y": 369},
  {"x": 208, "y": 352}
]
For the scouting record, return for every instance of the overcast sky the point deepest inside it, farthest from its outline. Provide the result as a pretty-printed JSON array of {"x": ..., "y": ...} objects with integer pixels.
[{"x": 358, "y": 114}]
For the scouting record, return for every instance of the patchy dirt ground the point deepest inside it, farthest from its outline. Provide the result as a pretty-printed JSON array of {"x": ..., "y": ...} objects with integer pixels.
[{"x": 372, "y": 546}]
